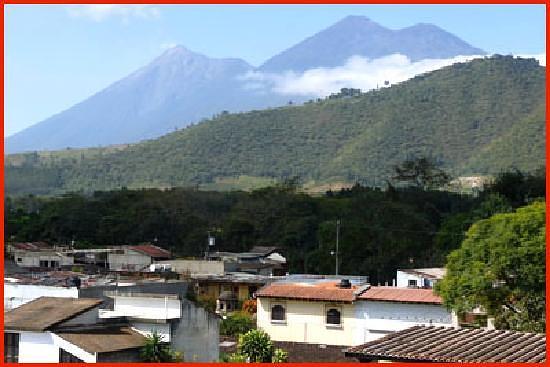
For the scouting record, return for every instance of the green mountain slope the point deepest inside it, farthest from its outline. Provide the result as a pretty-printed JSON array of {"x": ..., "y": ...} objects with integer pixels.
[{"x": 474, "y": 118}]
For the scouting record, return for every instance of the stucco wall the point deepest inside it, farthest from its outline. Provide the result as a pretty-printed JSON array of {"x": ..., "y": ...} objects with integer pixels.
[
  {"x": 196, "y": 334},
  {"x": 37, "y": 348},
  {"x": 306, "y": 322}
]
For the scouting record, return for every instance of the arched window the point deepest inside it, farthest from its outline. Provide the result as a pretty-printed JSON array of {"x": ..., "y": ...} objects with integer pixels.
[
  {"x": 278, "y": 313},
  {"x": 333, "y": 316}
]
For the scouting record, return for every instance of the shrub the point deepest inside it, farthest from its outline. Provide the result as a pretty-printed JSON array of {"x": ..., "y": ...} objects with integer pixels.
[{"x": 236, "y": 324}]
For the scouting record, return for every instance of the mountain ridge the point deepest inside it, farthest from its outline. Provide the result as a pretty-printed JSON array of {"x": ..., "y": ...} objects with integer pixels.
[
  {"x": 464, "y": 116},
  {"x": 181, "y": 87}
]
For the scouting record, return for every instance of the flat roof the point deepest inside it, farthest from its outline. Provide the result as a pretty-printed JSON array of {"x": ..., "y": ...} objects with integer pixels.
[
  {"x": 45, "y": 312},
  {"x": 104, "y": 340},
  {"x": 444, "y": 344}
]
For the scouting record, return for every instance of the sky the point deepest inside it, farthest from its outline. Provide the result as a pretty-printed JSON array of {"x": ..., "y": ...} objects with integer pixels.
[{"x": 57, "y": 55}]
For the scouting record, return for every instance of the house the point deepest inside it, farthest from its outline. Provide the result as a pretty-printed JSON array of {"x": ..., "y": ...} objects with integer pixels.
[
  {"x": 260, "y": 260},
  {"x": 382, "y": 310},
  {"x": 54, "y": 329},
  {"x": 341, "y": 313},
  {"x": 445, "y": 344},
  {"x": 136, "y": 258},
  {"x": 187, "y": 328},
  {"x": 12, "y": 247},
  {"x": 230, "y": 290},
  {"x": 42, "y": 259},
  {"x": 422, "y": 278}
]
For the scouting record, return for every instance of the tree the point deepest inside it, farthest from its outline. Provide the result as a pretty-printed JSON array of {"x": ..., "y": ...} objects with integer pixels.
[
  {"x": 500, "y": 266},
  {"x": 422, "y": 173},
  {"x": 156, "y": 351},
  {"x": 256, "y": 347}
]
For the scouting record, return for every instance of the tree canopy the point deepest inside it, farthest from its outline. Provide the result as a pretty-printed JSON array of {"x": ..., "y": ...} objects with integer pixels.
[{"x": 500, "y": 267}]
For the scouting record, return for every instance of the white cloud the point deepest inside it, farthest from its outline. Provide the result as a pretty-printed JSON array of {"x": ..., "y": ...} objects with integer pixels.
[
  {"x": 100, "y": 12},
  {"x": 357, "y": 72}
]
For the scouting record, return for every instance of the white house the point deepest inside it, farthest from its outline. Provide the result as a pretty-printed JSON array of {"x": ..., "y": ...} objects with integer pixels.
[
  {"x": 42, "y": 259},
  {"x": 189, "y": 329},
  {"x": 53, "y": 330},
  {"x": 136, "y": 258},
  {"x": 419, "y": 278}
]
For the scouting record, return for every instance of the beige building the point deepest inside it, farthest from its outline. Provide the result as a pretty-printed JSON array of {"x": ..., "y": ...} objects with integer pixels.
[
  {"x": 316, "y": 313},
  {"x": 341, "y": 314}
]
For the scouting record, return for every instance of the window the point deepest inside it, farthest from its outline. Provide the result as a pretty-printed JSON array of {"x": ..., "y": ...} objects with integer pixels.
[
  {"x": 278, "y": 313},
  {"x": 333, "y": 316},
  {"x": 412, "y": 282},
  {"x": 43, "y": 263},
  {"x": 19, "y": 259},
  {"x": 11, "y": 347},
  {"x": 66, "y": 357}
]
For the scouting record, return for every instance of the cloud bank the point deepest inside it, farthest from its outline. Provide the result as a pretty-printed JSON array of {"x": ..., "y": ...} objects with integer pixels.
[
  {"x": 101, "y": 12},
  {"x": 357, "y": 72}
]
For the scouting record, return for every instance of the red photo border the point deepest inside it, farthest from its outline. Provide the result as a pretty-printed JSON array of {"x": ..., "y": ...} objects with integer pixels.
[{"x": 266, "y": 2}]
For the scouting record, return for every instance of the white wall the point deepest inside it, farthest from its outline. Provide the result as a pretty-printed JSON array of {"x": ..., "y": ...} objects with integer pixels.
[
  {"x": 147, "y": 329},
  {"x": 376, "y": 319},
  {"x": 404, "y": 277},
  {"x": 32, "y": 259},
  {"x": 16, "y": 295},
  {"x": 148, "y": 307},
  {"x": 37, "y": 348}
]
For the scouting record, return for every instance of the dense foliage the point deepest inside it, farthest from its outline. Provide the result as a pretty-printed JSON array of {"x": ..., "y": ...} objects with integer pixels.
[
  {"x": 380, "y": 231},
  {"x": 472, "y": 118},
  {"x": 500, "y": 266},
  {"x": 256, "y": 347},
  {"x": 236, "y": 324},
  {"x": 155, "y": 351}
]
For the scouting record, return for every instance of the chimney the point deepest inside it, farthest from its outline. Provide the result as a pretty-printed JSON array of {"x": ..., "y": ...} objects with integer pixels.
[{"x": 345, "y": 284}]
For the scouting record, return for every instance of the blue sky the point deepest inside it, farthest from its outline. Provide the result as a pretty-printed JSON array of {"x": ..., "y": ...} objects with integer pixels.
[{"x": 57, "y": 55}]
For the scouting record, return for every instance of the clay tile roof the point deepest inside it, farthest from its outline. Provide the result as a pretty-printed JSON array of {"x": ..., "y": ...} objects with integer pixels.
[
  {"x": 407, "y": 295},
  {"x": 151, "y": 250},
  {"x": 104, "y": 340},
  {"x": 324, "y": 291},
  {"x": 443, "y": 344},
  {"x": 45, "y": 312}
]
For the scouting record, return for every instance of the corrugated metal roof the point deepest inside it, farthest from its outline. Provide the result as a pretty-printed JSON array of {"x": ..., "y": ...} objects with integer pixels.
[
  {"x": 394, "y": 294},
  {"x": 45, "y": 312},
  {"x": 441, "y": 344}
]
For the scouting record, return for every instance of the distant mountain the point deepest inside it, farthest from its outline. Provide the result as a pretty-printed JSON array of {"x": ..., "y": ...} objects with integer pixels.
[
  {"x": 177, "y": 88},
  {"x": 181, "y": 87},
  {"x": 358, "y": 35},
  {"x": 474, "y": 118}
]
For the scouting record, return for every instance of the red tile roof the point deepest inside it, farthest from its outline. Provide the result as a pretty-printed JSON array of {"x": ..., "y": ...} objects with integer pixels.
[
  {"x": 151, "y": 250},
  {"x": 407, "y": 295},
  {"x": 323, "y": 291},
  {"x": 330, "y": 291}
]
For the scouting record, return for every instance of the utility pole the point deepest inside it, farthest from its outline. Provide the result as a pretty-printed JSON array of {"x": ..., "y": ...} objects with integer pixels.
[{"x": 337, "y": 240}]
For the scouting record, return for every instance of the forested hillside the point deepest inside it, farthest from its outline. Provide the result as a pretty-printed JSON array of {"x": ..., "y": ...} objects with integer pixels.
[
  {"x": 380, "y": 230},
  {"x": 473, "y": 118}
]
